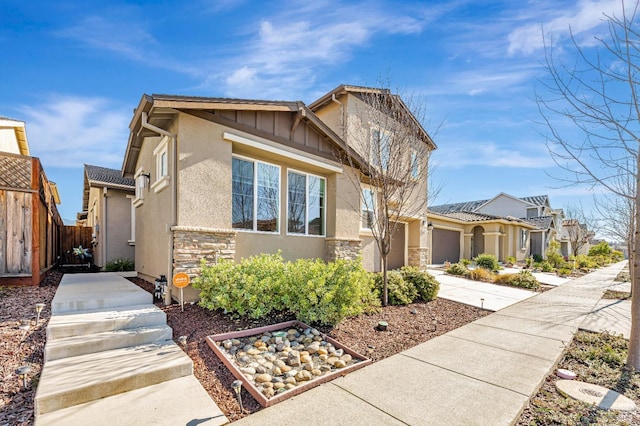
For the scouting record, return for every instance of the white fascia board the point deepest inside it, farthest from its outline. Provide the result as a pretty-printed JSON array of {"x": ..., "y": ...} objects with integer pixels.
[{"x": 282, "y": 152}]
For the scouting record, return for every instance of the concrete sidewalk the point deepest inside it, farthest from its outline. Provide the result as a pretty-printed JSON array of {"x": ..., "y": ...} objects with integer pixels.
[
  {"x": 481, "y": 374},
  {"x": 488, "y": 296}
]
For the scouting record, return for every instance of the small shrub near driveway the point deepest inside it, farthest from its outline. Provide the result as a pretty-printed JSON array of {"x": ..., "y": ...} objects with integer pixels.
[
  {"x": 426, "y": 284},
  {"x": 119, "y": 265},
  {"x": 523, "y": 279},
  {"x": 458, "y": 269},
  {"x": 482, "y": 274},
  {"x": 487, "y": 261}
]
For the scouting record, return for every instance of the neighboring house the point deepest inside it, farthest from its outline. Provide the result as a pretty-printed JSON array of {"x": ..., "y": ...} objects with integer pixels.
[
  {"x": 503, "y": 226},
  {"x": 30, "y": 226},
  {"x": 231, "y": 178},
  {"x": 107, "y": 207},
  {"x": 576, "y": 238}
]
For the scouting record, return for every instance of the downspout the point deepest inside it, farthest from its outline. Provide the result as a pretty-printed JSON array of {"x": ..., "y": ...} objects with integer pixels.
[
  {"x": 174, "y": 197},
  {"x": 342, "y": 129}
]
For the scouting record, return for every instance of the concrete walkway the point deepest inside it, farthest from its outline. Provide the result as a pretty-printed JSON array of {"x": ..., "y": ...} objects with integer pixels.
[
  {"x": 491, "y": 297},
  {"x": 110, "y": 360},
  {"x": 481, "y": 374}
]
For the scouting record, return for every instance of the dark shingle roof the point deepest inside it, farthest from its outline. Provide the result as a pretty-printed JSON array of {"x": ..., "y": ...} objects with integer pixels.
[
  {"x": 102, "y": 176},
  {"x": 541, "y": 222}
]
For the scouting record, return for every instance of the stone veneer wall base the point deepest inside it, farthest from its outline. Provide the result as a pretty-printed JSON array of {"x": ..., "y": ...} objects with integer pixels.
[
  {"x": 191, "y": 244},
  {"x": 419, "y": 257},
  {"x": 342, "y": 248}
]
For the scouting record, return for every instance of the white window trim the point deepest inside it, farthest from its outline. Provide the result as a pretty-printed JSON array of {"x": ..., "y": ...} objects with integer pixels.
[
  {"x": 523, "y": 239},
  {"x": 306, "y": 204},
  {"x": 132, "y": 241},
  {"x": 362, "y": 189},
  {"x": 138, "y": 198},
  {"x": 255, "y": 197},
  {"x": 162, "y": 180}
]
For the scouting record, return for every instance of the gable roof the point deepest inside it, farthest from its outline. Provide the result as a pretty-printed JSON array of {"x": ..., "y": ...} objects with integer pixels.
[
  {"x": 17, "y": 130},
  {"x": 537, "y": 200},
  {"x": 469, "y": 217},
  {"x": 541, "y": 222},
  {"x": 160, "y": 109},
  {"x": 344, "y": 89},
  {"x": 104, "y": 177},
  {"x": 471, "y": 206}
]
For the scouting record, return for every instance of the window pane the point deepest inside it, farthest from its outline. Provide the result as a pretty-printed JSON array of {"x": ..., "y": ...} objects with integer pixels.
[
  {"x": 368, "y": 208},
  {"x": 268, "y": 204},
  {"x": 163, "y": 164},
  {"x": 242, "y": 182},
  {"x": 297, "y": 203},
  {"x": 316, "y": 205}
]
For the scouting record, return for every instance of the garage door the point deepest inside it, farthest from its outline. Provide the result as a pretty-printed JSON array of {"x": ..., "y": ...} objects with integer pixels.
[{"x": 445, "y": 245}]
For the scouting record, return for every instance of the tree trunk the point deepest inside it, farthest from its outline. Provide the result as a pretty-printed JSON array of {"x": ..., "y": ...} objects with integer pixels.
[
  {"x": 633, "y": 359},
  {"x": 385, "y": 291}
]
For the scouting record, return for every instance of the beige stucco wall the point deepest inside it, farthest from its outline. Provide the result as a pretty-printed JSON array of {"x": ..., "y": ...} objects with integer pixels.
[
  {"x": 118, "y": 226},
  {"x": 153, "y": 217},
  {"x": 94, "y": 216}
]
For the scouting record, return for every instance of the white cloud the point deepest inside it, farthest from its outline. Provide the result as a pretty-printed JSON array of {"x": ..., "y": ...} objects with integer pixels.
[
  {"x": 68, "y": 131},
  {"x": 489, "y": 154},
  {"x": 585, "y": 17}
]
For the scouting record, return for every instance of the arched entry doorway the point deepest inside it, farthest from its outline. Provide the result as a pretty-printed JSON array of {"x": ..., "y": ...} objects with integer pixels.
[{"x": 477, "y": 243}]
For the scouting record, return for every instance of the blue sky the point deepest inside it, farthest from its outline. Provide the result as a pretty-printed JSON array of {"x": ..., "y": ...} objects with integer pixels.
[{"x": 75, "y": 70}]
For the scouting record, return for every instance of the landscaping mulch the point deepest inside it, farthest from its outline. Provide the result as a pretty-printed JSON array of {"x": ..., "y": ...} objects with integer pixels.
[
  {"x": 20, "y": 347},
  {"x": 407, "y": 326}
]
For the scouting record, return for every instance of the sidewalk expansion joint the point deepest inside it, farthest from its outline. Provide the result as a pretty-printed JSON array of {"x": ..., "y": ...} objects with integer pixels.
[
  {"x": 367, "y": 402},
  {"x": 470, "y": 377},
  {"x": 564, "y": 346}
]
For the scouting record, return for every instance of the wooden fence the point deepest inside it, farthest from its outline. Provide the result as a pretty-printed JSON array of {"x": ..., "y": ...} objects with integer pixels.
[{"x": 73, "y": 237}]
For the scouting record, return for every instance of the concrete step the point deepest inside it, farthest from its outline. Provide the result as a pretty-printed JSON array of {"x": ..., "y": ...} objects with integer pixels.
[
  {"x": 100, "y": 320},
  {"x": 180, "y": 401},
  {"x": 107, "y": 340},
  {"x": 86, "y": 292},
  {"x": 71, "y": 381}
]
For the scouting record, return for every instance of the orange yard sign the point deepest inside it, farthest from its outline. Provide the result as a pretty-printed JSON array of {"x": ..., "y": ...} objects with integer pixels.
[{"x": 181, "y": 280}]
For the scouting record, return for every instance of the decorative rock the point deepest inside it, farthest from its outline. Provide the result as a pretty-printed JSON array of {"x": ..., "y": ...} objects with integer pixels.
[
  {"x": 261, "y": 370},
  {"x": 279, "y": 386},
  {"x": 285, "y": 368},
  {"x": 316, "y": 372},
  {"x": 291, "y": 373},
  {"x": 263, "y": 378},
  {"x": 309, "y": 366},
  {"x": 248, "y": 370},
  {"x": 332, "y": 360},
  {"x": 268, "y": 392},
  {"x": 313, "y": 348},
  {"x": 323, "y": 357},
  {"x": 227, "y": 344},
  {"x": 303, "y": 376},
  {"x": 253, "y": 351},
  {"x": 290, "y": 386},
  {"x": 322, "y": 351},
  {"x": 267, "y": 385},
  {"x": 338, "y": 352},
  {"x": 236, "y": 342},
  {"x": 346, "y": 358},
  {"x": 566, "y": 374},
  {"x": 277, "y": 371},
  {"x": 340, "y": 363},
  {"x": 290, "y": 380},
  {"x": 292, "y": 332},
  {"x": 315, "y": 332},
  {"x": 279, "y": 363},
  {"x": 305, "y": 358},
  {"x": 293, "y": 359}
]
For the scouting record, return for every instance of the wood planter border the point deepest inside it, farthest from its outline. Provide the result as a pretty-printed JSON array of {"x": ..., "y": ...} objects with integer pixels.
[{"x": 253, "y": 390}]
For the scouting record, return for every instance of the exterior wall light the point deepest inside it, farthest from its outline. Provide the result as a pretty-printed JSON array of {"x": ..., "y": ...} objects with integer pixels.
[{"x": 39, "y": 308}]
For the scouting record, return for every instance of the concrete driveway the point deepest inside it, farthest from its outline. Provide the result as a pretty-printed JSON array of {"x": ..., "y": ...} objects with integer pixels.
[{"x": 492, "y": 297}]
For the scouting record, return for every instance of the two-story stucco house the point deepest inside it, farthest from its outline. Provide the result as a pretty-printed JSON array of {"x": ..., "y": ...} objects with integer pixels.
[
  {"x": 503, "y": 226},
  {"x": 231, "y": 178}
]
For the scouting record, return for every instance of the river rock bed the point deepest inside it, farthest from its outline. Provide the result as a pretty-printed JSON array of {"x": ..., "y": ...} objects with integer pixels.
[{"x": 278, "y": 361}]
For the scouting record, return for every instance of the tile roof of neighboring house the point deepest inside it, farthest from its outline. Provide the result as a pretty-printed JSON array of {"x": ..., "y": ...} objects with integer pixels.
[
  {"x": 541, "y": 222},
  {"x": 467, "y": 216},
  {"x": 538, "y": 200},
  {"x": 102, "y": 176},
  {"x": 468, "y": 206}
]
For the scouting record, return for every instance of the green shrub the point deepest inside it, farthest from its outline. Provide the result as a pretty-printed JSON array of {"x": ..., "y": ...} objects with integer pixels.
[
  {"x": 458, "y": 269},
  {"x": 546, "y": 267},
  {"x": 119, "y": 265},
  {"x": 537, "y": 258},
  {"x": 511, "y": 260},
  {"x": 465, "y": 262},
  {"x": 400, "y": 292},
  {"x": 600, "y": 249},
  {"x": 617, "y": 256},
  {"x": 311, "y": 289},
  {"x": 528, "y": 262},
  {"x": 487, "y": 261},
  {"x": 523, "y": 279},
  {"x": 482, "y": 274},
  {"x": 583, "y": 261},
  {"x": 564, "y": 272},
  {"x": 553, "y": 254},
  {"x": 425, "y": 284},
  {"x": 329, "y": 292}
]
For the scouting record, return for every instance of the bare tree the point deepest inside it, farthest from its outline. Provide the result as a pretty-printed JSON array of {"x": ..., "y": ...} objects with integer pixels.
[
  {"x": 577, "y": 227},
  {"x": 391, "y": 150},
  {"x": 596, "y": 97}
]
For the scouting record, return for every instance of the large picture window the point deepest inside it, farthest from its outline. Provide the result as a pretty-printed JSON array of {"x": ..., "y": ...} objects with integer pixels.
[
  {"x": 306, "y": 204},
  {"x": 256, "y": 194}
]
